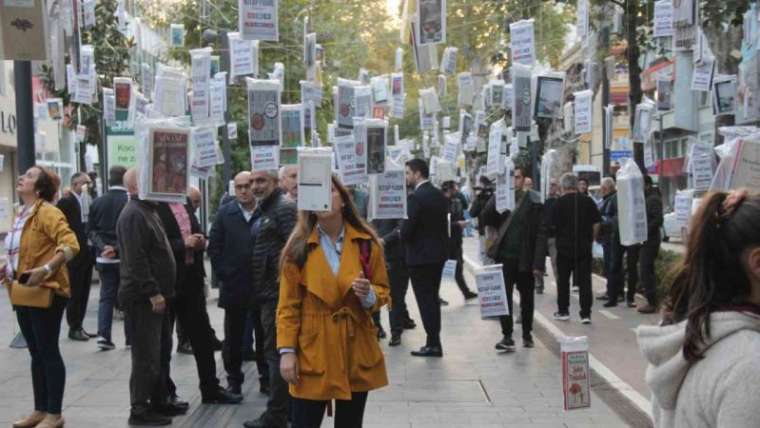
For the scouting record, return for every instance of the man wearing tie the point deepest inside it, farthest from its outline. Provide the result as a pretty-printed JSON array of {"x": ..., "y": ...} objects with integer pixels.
[{"x": 425, "y": 236}]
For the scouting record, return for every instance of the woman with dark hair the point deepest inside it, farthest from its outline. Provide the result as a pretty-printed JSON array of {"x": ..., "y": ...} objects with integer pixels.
[
  {"x": 333, "y": 278},
  {"x": 704, "y": 361},
  {"x": 39, "y": 245}
]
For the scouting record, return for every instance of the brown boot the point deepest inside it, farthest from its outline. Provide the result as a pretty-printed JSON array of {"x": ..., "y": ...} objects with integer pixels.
[
  {"x": 51, "y": 421},
  {"x": 31, "y": 420},
  {"x": 647, "y": 309}
]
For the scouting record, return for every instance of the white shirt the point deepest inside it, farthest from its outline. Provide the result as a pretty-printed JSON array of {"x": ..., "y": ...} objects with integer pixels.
[
  {"x": 13, "y": 240},
  {"x": 84, "y": 205},
  {"x": 247, "y": 214}
]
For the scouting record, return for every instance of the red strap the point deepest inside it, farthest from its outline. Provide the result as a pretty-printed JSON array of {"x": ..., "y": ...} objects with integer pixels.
[
  {"x": 365, "y": 249},
  {"x": 329, "y": 408}
]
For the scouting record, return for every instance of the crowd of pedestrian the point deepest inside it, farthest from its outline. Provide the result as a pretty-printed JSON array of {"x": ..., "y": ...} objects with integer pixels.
[{"x": 306, "y": 288}]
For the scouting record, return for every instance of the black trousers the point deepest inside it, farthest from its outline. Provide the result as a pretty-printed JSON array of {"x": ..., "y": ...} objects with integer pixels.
[
  {"x": 526, "y": 286},
  {"x": 348, "y": 413},
  {"x": 618, "y": 275},
  {"x": 276, "y": 413},
  {"x": 647, "y": 257},
  {"x": 426, "y": 283},
  {"x": 580, "y": 268},
  {"x": 190, "y": 310},
  {"x": 398, "y": 276},
  {"x": 41, "y": 329},
  {"x": 80, "y": 277},
  {"x": 253, "y": 339},
  {"x": 456, "y": 253},
  {"x": 232, "y": 352},
  {"x": 151, "y": 332}
]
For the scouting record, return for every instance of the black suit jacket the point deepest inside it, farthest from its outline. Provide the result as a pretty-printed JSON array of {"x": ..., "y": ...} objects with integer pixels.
[
  {"x": 425, "y": 232},
  {"x": 231, "y": 251},
  {"x": 390, "y": 232},
  {"x": 189, "y": 277},
  {"x": 73, "y": 212}
]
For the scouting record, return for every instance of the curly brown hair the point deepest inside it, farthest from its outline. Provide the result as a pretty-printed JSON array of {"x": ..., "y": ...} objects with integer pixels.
[{"x": 47, "y": 183}]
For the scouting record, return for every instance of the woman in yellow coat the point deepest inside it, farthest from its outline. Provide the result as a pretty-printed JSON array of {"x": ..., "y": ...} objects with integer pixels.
[{"x": 333, "y": 278}]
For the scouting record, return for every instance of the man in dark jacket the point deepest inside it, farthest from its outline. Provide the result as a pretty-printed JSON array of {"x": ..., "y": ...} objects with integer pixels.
[
  {"x": 389, "y": 232},
  {"x": 80, "y": 268},
  {"x": 520, "y": 247},
  {"x": 483, "y": 194},
  {"x": 189, "y": 304},
  {"x": 425, "y": 236},
  {"x": 608, "y": 231},
  {"x": 651, "y": 247},
  {"x": 272, "y": 223},
  {"x": 101, "y": 229},
  {"x": 231, "y": 249},
  {"x": 147, "y": 276}
]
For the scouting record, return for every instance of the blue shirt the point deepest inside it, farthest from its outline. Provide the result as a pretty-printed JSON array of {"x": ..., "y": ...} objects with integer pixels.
[{"x": 332, "y": 254}]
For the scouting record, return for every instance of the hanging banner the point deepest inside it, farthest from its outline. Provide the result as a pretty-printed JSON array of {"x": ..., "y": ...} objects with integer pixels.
[
  {"x": 315, "y": 179},
  {"x": 388, "y": 195},
  {"x": 663, "y": 18},
  {"x": 643, "y": 121},
  {"x": 264, "y": 126},
  {"x": 375, "y": 136},
  {"x": 505, "y": 188},
  {"x": 24, "y": 30},
  {"x": 632, "y": 218},
  {"x": 451, "y": 148},
  {"x": 583, "y": 112},
  {"x": 292, "y": 127},
  {"x": 311, "y": 92},
  {"x": 549, "y": 95},
  {"x": 351, "y": 159},
  {"x": 265, "y": 158},
  {"x": 177, "y": 35},
  {"x": 495, "y": 160},
  {"x": 257, "y": 20},
  {"x": 465, "y": 88},
  {"x": 522, "y": 42},
  {"x": 682, "y": 204},
  {"x": 521, "y": 108},
  {"x": 582, "y": 21},
  {"x": 204, "y": 147},
  {"x": 431, "y": 22},
  {"x": 345, "y": 105},
  {"x": 449, "y": 61},
  {"x": 703, "y": 75},
  {"x": 724, "y": 95},
  {"x": 243, "y": 56},
  {"x": 168, "y": 159}
]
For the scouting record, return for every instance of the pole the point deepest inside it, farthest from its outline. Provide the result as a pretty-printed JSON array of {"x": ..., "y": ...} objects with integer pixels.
[
  {"x": 25, "y": 153},
  {"x": 605, "y": 103},
  {"x": 226, "y": 147},
  {"x": 662, "y": 149}
]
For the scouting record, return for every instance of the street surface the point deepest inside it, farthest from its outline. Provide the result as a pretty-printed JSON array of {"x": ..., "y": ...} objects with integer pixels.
[{"x": 472, "y": 386}]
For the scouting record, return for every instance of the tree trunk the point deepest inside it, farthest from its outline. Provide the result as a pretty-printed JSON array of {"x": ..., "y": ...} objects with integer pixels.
[{"x": 634, "y": 73}]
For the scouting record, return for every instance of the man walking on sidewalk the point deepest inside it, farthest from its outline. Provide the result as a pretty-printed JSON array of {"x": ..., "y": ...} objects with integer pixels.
[
  {"x": 651, "y": 247},
  {"x": 576, "y": 220},
  {"x": 520, "y": 247},
  {"x": 457, "y": 223},
  {"x": 426, "y": 245}
]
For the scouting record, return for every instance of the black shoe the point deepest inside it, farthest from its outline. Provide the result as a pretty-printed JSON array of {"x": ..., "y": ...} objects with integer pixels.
[
  {"x": 264, "y": 386},
  {"x": 175, "y": 401},
  {"x": 79, "y": 335},
  {"x": 469, "y": 295},
  {"x": 169, "y": 409},
  {"x": 603, "y": 297},
  {"x": 222, "y": 396},
  {"x": 539, "y": 290},
  {"x": 610, "y": 304},
  {"x": 90, "y": 335},
  {"x": 265, "y": 421},
  {"x": 217, "y": 344},
  {"x": 149, "y": 419},
  {"x": 443, "y": 302},
  {"x": 234, "y": 388},
  {"x": 506, "y": 345},
  {"x": 381, "y": 334},
  {"x": 428, "y": 351},
  {"x": 106, "y": 345},
  {"x": 528, "y": 342},
  {"x": 185, "y": 348},
  {"x": 409, "y": 324},
  {"x": 249, "y": 355},
  {"x": 395, "y": 339},
  {"x": 630, "y": 303}
]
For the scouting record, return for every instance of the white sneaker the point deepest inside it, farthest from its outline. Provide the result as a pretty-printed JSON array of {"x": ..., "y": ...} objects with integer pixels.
[{"x": 586, "y": 320}]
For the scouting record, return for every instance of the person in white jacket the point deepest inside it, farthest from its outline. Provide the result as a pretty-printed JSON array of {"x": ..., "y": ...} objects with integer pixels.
[{"x": 704, "y": 360}]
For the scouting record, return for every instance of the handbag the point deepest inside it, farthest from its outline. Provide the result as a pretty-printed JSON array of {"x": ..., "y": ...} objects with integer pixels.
[{"x": 39, "y": 296}]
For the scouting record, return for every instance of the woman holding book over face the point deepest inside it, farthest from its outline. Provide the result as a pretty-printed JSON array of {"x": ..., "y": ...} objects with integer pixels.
[
  {"x": 39, "y": 244},
  {"x": 332, "y": 279}
]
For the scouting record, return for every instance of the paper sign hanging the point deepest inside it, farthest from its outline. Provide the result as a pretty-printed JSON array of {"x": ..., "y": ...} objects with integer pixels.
[
  {"x": 315, "y": 179},
  {"x": 388, "y": 195},
  {"x": 505, "y": 188},
  {"x": 449, "y": 269},
  {"x": 465, "y": 88},
  {"x": 663, "y": 18},
  {"x": 521, "y": 109},
  {"x": 177, "y": 35},
  {"x": 492, "y": 294},
  {"x": 549, "y": 95},
  {"x": 265, "y": 158},
  {"x": 583, "y": 112},
  {"x": 522, "y": 43},
  {"x": 168, "y": 158},
  {"x": 375, "y": 138},
  {"x": 257, "y": 20},
  {"x": 351, "y": 159},
  {"x": 264, "y": 126},
  {"x": 431, "y": 22}
]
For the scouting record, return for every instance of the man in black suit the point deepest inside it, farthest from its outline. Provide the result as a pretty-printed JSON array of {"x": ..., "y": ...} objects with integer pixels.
[
  {"x": 80, "y": 268},
  {"x": 425, "y": 236},
  {"x": 189, "y": 304}
]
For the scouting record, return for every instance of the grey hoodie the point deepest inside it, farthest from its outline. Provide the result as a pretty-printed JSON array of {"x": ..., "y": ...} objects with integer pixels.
[{"x": 721, "y": 390}]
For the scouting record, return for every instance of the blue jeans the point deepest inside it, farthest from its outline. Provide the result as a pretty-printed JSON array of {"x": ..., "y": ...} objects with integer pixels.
[
  {"x": 41, "y": 329},
  {"x": 109, "y": 288}
]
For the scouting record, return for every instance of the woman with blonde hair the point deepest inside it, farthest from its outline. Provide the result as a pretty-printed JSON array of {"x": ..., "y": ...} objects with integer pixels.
[
  {"x": 333, "y": 277},
  {"x": 39, "y": 245}
]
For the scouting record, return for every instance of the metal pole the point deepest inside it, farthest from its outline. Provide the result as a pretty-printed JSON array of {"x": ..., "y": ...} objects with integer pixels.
[
  {"x": 25, "y": 153},
  {"x": 662, "y": 149}
]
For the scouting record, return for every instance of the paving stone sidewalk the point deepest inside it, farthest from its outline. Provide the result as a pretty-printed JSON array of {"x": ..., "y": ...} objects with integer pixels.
[{"x": 472, "y": 386}]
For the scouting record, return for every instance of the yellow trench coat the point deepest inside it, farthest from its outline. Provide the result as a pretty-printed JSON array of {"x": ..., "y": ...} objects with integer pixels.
[{"x": 322, "y": 319}]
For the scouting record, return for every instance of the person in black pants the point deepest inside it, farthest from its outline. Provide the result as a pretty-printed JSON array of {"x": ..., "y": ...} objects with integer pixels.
[
  {"x": 80, "y": 268},
  {"x": 389, "y": 232},
  {"x": 456, "y": 225},
  {"x": 651, "y": 247},
  {"x": 425, "y": 236},
  {"x": 189, "y": 306},
  {"x": 231, "y": 250},
  {"x": 576, "y": 220},
  {"x": 520, "y": 247}
]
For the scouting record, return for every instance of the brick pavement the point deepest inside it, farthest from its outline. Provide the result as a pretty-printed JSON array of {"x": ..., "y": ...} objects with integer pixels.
[{"x": 472, "y": 386}]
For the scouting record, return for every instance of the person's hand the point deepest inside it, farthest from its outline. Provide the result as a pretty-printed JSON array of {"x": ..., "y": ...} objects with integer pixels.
[
  {"x": 36, "y": 276},
  {"x": 289, "y": 367},
  {"x": 159, "y": 303},
  {"x": 191, "y": 242},
  {"x": 200, "y": 243},
  {"x": 108, "y": 252},
  {"x": 538, "y": 272},
  {"x": 361, "y": 286},
  {"x": 462, "y": 223}
]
